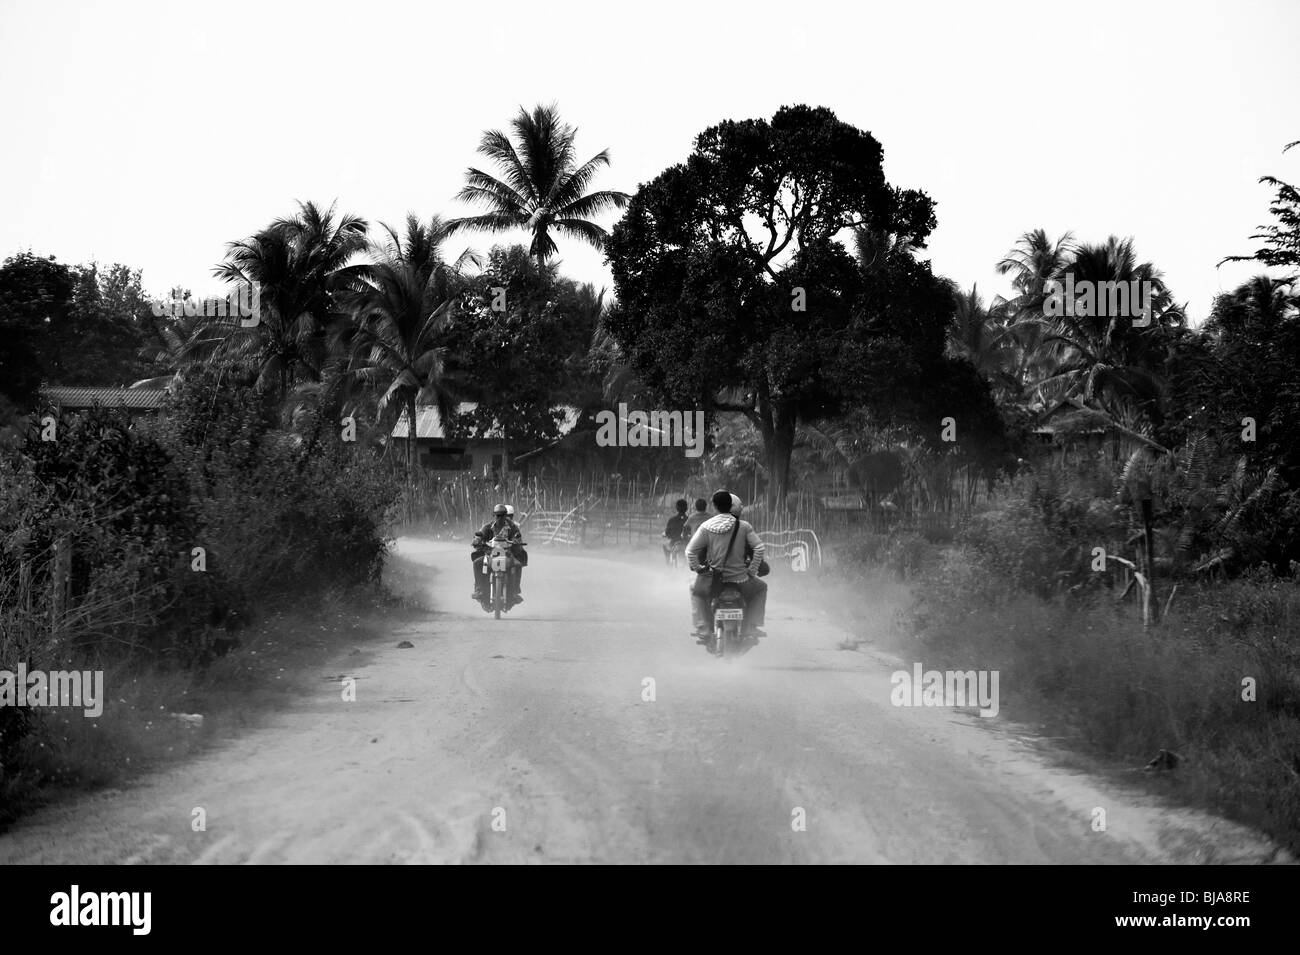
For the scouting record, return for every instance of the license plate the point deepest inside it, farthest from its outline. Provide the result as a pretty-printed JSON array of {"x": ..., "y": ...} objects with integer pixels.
[{"x": 729, "y": 615}]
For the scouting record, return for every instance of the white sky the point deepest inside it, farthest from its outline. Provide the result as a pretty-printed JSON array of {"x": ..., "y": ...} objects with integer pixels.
[{"x": 153, "y": 133}]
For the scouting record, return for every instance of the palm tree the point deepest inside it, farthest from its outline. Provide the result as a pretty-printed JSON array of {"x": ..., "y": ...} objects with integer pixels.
[
  {"x": 981, "y": 336},
  {"x": 1033, "y": 261},
  {"x": 402, "y": 304},
  {"x": 167, "y": 349},
  {"x": 542, "y": 189},
  {"x": 1102, "y": 357},
  {"x": 874, "y": 248},
  {"x": 1255, "y": 308},
  {"x": 421, "y": 245},
  {"x": 300, "y": 265}
]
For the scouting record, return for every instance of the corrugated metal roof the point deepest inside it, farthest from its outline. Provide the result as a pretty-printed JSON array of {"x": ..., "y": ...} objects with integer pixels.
[
  {"x": 428, "y": 423},
  {"x": 74, "y": 397}
]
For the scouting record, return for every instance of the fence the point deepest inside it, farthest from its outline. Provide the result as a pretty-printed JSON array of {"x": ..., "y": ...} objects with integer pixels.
[
  {"x": 600, "y": 528},
  {"x": 801, "y": 546},
  {"x": 553, "y": 527},
  {"x": 614, "y": 513}
]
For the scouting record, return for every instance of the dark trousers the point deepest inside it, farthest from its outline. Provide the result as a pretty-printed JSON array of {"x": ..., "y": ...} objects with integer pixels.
[{"x": 752, "y": 589}]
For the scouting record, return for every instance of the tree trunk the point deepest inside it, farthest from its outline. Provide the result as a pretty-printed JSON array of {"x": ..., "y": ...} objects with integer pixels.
[
  {"x": 783, "y": 432},
  {"x": 1148, "y": 545},
  {"x": 762, "y": 417},
  {"x": 410, "y": 456}
]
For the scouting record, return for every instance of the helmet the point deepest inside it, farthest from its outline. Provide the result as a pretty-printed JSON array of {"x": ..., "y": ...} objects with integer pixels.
[
  {"x": 510, "y": 510},
  {"x": 499, "y": 510}
]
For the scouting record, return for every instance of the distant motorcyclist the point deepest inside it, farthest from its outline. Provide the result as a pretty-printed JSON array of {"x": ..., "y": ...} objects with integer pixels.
[
  {"x": 715, "y": 547},
  {"x": 500, "y": 526},
  {"x": 673, "y": 532},
  {"x": 698, "y": 517}
]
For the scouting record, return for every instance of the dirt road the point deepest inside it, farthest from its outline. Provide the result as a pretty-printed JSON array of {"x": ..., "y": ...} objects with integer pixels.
[{"x": 532, "y": 739}]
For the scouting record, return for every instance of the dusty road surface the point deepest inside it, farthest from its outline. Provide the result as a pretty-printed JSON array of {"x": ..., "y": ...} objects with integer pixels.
[{"x": 529, "y": 739}]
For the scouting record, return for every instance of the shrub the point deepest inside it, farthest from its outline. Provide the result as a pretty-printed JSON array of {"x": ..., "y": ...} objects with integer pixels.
[{"x": 278, "y": 516}]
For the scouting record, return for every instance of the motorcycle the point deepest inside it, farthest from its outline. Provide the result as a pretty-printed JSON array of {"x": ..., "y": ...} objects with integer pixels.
[
  {"x": 499, "y": 562},
  {"x": 675, "y": 553},
  {"x": 728, "y": 610}
]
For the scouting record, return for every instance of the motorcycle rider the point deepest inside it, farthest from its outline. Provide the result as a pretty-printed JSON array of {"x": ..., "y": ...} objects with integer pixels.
[
  {"x": 697, "y": 518},
  {"x": 500, "y": 526},
  {"x": 673, "y": 532},
  {"x": 708, "y": 550}
]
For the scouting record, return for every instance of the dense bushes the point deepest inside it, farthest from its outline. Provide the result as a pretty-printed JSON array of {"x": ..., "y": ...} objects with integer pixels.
[
  {"x": 272, "y": 512},
  {"x": 116, "y": 508},
  {"x": 275, "y": 512}
]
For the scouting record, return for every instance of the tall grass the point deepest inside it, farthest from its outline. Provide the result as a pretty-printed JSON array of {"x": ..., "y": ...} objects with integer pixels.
[{"x": 1087, "y": 670}]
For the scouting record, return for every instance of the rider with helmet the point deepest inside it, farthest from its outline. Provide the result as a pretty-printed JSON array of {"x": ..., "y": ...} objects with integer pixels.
[{"x": 501, "y": 525}]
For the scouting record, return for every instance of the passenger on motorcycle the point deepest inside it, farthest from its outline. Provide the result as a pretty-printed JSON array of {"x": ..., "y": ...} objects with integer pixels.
[
  {"x": 501, "y": 525},
  {"x": 708, "y": 550},
  {"x": 673, "y": 532},
  {"x": 520, "y": 555},
  {"x": 697, "y": 518}
]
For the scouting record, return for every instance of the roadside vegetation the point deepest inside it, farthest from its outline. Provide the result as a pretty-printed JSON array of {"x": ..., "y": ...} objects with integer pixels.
[{"x": 1186, "y": 439}]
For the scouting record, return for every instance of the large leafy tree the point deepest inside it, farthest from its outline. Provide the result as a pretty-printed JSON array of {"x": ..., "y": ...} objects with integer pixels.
[
  {"x": 520, "y": 341},
  {"x": 35, "y": 295},
  {"x": 1242, "y": 364},
  {"x": 111, "y": 319},
  {"x": 716, "y": 256},
  {"x": 1281, "y": 238},
  {"x": 541, "y": 189},
  {"x": 1235, "y": 384},
  {"x": 65, "y": 324},
  {"x": 300, "y": 265}
]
